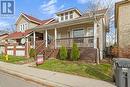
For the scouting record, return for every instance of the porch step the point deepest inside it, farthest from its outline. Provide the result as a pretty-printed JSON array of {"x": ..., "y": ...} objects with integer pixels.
[{"x": 88, "y": 54}]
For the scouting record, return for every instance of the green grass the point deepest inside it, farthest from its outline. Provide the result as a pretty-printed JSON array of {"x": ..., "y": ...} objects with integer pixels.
[
  {"x": 12, "y": 59},
  {"x": 101, "y": 71}
]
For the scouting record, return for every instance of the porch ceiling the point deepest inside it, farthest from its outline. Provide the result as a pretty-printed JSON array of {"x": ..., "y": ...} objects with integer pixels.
[{"x": 65, "y": 23}]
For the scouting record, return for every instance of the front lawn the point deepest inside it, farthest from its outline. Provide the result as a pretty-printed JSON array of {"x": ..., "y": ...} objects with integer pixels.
[
  {"x": 12, "y": 59},
  {"x": 101, "y": 71}
]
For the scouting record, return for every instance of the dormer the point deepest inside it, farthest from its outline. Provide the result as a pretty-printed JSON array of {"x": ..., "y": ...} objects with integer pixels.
[{"x": 68, "y": 14}]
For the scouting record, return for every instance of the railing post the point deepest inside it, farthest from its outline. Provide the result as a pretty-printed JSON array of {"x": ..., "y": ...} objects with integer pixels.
[{"x": 55, "y": 38}]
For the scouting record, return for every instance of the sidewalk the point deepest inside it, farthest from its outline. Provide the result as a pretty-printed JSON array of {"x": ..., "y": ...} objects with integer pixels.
[{"x": 50, "y": 78}]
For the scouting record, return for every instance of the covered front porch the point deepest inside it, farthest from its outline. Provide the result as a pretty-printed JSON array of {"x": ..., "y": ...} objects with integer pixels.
[{"x": 83, "y": 33}]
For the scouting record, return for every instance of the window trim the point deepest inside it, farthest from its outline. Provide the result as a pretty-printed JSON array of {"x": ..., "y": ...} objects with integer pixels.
[
  {"x": 62, "y": 17},
  {"x": 66, "y": 15},
  {"x": 23, "y": 27},
  {"x": 71, "y": 14},
  {"x": 87, "y": 31},
  {"x": 82, "y": 40},
  {"x": 77, "y": 29}
]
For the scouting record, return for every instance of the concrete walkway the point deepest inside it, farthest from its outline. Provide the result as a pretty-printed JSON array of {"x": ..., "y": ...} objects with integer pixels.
[{"x": 51, "y": 78}]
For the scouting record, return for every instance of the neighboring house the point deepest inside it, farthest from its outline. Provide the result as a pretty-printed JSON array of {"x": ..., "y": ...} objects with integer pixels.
[
  {"x": 122, "y": 23},
  {"x": 18, "y": 41},
  {"x": 2, "y": 42},
  {"x": 88, "y": 30}
]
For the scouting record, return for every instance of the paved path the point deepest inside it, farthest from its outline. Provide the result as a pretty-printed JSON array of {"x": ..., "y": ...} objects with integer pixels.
[
  {"x": 52, "y": 78},
  {"x": 7, "y": 80}
]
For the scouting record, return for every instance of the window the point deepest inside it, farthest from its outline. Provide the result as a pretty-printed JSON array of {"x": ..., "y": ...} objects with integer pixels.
[
  {"x": 23, "y": 27},
  {"x": 71, "y": 15},
  {"x": 66, "y": 16},
  {"x": 26, "y": 26},
  {"x": 90, "y": 31},
  {"x": 62, "y": 17},
  {"x": 77, "y": 35},
  {"x": 20, "y": 27}
]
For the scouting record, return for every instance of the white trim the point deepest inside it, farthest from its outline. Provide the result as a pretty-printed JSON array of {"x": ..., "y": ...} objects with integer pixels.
[
  {"x": 30, "y": 19},
  {"x": 28, "y": 35},
  {"x": 88, "y": 29},
  {"x": 27, "y": 44},
  {"x": 34, "y": 39},
  {"x": 49, "y": 21},
  {"x": 80, "y": 28},
  {"x": 46, "y": 39},
  {"x": 95, "y": 34},
  {"x": 26, "y": 18},
  {"x": 55, "y": 38}
]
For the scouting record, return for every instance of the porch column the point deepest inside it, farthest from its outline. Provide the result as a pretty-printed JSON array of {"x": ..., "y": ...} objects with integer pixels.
[
  {"x": 27, "y": 48},
  {"x": 55, "y": 38},
  {"x": 34, "y": 39},
  {"x": 95, "y": 35},
  {"x": 46, "y": 37},
  {"x": 96, "y": 41}
]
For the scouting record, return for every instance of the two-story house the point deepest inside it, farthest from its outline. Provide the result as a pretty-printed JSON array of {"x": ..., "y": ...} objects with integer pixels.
[{"x": 19, "y": 42}]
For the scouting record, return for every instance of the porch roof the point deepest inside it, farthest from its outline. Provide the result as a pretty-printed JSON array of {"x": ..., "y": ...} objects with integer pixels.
[
  {"x": 18, "y": 35},
  {"x": 85, "y": 18},
  {"x": 56, "y": 24}
]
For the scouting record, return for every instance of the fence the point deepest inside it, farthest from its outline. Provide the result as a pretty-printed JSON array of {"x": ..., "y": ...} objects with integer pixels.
[{"x": 17, "y": 50}]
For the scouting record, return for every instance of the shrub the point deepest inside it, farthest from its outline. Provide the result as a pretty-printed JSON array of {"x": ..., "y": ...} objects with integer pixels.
[
  {"x": 32, "y": 53},
  {"x": 63, "y": 53},
  {"x": 75, "y": 52}
]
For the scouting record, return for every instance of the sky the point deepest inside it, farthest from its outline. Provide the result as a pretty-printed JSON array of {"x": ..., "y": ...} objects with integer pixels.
[{"x": 43, "y": 9}]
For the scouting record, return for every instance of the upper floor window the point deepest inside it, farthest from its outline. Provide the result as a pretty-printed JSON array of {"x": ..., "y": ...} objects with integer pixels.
[
  {"x": 23, "y": 27},
  {"x": 71, "y": 15},
  {"x": 66, "y": 16},
  {"x": 62, "y": 17}
]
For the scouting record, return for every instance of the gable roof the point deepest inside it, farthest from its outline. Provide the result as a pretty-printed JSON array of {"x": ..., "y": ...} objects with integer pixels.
[
  {"x": 18, "y": 35},
  {"x": 29, "y": 18}
]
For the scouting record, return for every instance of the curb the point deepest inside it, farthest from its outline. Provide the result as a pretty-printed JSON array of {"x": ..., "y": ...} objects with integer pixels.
[{"x": 37, "y": 80}]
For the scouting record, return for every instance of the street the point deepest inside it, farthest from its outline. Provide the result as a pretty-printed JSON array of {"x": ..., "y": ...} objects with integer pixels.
[{"x": 7, "y": 80}]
